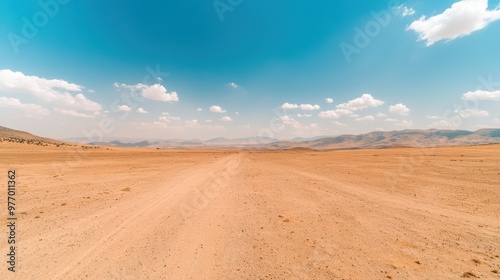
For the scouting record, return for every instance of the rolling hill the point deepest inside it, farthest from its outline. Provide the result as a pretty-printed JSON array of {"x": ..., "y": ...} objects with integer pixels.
[
  {"x": 405, "y": 138},
  {"x": 17, "y": 136},
  {"x": 372, "y": 140}
]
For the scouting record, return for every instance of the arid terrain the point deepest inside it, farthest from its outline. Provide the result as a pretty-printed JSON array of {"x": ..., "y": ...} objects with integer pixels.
[{"x": 128, "y": 213}]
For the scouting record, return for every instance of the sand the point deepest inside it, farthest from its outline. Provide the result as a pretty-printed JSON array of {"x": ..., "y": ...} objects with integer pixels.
[{"x": 156, "y": 214}]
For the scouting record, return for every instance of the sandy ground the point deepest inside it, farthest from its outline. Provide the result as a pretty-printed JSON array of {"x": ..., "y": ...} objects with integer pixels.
[{"x": 151, "y": 214}]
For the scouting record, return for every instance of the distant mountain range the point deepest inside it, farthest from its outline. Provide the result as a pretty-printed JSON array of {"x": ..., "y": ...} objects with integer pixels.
[
  {"x": 372, "y": 140},
  {"x": 405, "y": 138}
]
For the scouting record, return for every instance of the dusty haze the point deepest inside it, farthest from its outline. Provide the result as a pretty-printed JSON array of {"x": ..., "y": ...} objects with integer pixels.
[{"x": 125, "y": 213}]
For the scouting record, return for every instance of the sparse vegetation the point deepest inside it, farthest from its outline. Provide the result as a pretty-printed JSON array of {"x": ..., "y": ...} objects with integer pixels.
[{"x": 36, "y": 142}]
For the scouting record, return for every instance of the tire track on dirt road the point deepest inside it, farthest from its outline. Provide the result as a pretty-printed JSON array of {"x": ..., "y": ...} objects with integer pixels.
[{"x": 163, "y": 201}]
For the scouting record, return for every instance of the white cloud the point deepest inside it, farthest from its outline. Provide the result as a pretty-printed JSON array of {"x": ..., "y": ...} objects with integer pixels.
[
  {"x": 363, "y": 102},
  {"x": 433, "y": 117},
  {"x": 344, "y": 112},
  {"x": 80, "y": 102},
  {"x": 461, "y": 19},
  {"x": 309, "y": 107},
  {"x": 55, "y": 92},
  {"x": 366, "y": 118},
  {"x": 75, "y": 113},
  {"x": 330, "y": 114},
  {"x": 192, "y": 123},
  {"x": 335, "y": 114},
  {"x": 304, "y": 115},
  {"x": 467, "y": 113},
  {"x": 314, "y": 126},
  {"x": 142, "y": 111},
  {"x": 329, "y": 100},
  {"x": 496, "y": 121},
  {"x": 199, "y": 110},
  {"x": 13, "y": 103},
  {"x": 160, "y": 124},
  {"x": 399, "y": 109},
  {"x": 403, "y": 123},
  {"x": 288, "y": 106},
  {"x": 381, "y": 115},
  {"x": 18, "y": 81},
  {"x": 237, "y": 113},
  {"x": 153, "y": 125},
  {"x": 226, "y": 119},
  {"x": 234, "y": 85},
  {"x": 158, "y": 93},
  {"x": 482, "y": 95},
  {"x": 480, "y": 126},
  {"x": 303, "y": 107},
  {"x": 405, "y": 11},
  {"x": 339, "y": 123},
  {"x": 444, "y": 124},
  {"x": 287, "y": 121},
  {"x": 217, "y": 109},
  {"x": 195, "y": 124},
  {"x": 166, "y": 117},
  {"x": 155, "y": 92},
  {"x": 124, "y": 108}
]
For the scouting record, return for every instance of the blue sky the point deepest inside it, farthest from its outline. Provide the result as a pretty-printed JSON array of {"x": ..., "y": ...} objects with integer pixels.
[{"x": 174, "y": 69}]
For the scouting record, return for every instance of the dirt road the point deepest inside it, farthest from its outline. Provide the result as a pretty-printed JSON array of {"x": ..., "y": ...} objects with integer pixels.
[{"x": 147, "y": 214}]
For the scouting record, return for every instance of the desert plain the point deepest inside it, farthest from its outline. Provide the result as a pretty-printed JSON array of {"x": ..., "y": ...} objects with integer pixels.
[{"x": 128, "y": 213}]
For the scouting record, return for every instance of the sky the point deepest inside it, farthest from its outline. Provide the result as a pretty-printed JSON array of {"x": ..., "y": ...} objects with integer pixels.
[{"x": 238, "y": 68}]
